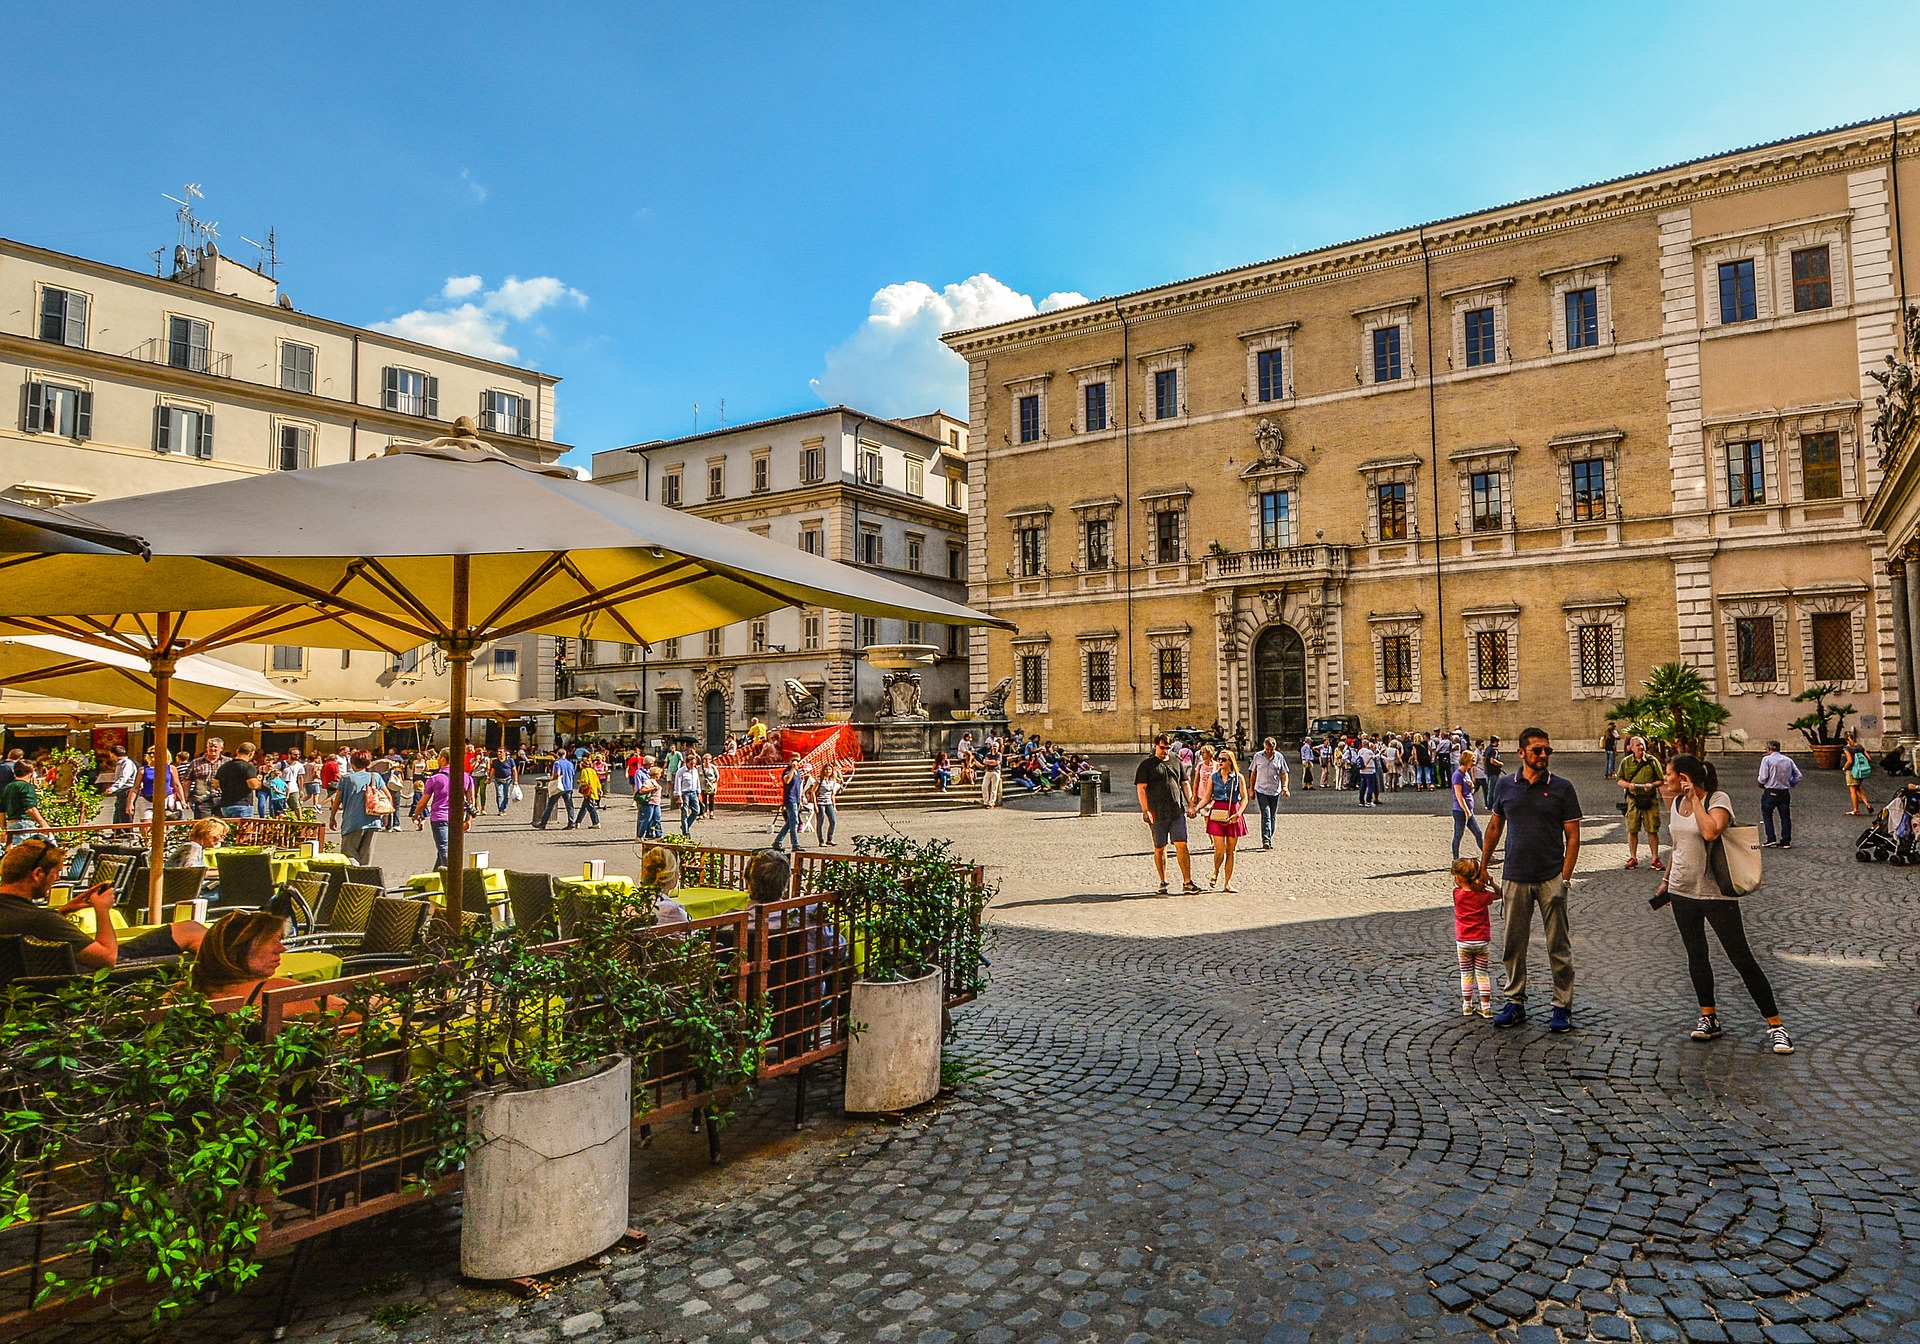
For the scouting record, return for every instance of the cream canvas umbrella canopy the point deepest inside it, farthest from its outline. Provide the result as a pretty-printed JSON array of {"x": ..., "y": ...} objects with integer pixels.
[
  {"x": 383, "y": 553},
  {"x": 51, "y": 665},
  {"x": 25, "y": 529}
]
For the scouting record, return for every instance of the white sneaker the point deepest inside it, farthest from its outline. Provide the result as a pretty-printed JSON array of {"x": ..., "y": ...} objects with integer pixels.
[{"x": 1782, "y": 1043}]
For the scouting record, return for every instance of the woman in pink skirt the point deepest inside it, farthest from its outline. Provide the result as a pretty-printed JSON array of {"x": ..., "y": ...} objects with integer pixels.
[{"x": 1226, "y": 815}]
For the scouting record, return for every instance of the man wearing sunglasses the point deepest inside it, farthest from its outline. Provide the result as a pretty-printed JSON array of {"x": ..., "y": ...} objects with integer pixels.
[
  {"x": 27, "y": 874},
  {"x": 1539, "y": 814}
]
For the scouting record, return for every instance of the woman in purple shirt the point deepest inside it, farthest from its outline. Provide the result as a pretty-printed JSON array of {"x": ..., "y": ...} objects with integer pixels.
[{"x": 435, "y": 802}]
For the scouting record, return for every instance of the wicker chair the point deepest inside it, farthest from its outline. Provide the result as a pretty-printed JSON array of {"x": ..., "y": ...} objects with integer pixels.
[
  {"x": 369, "y": 876},
  {"x": 345, "y": 923},
  {"x": 39, "y": 957},
  {"x": 530, "y": 898},
  {"x": 181, "y": 884},
  {"x": 246, "y": 881},
  {"x": 395, "y": 926},
  {"x": 310, "y": 893}
]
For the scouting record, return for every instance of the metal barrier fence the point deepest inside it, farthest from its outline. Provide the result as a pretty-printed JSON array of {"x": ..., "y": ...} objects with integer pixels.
[{"x": 798, "y": 957}]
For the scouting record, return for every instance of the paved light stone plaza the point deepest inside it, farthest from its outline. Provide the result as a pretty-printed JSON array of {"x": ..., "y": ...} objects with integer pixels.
[{"x": 1261, "y": 1118}]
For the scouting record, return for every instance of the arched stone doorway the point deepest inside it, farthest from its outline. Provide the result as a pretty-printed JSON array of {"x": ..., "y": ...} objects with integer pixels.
[{"x": 1280, "y": 685}]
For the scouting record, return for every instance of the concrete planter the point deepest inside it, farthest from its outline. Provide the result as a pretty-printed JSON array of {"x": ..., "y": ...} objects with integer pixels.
[
  {"x": 546, "y": 1182},
  {"x": 893, "y": 1061}
]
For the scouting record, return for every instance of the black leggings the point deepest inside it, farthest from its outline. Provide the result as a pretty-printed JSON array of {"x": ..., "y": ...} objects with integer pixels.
[{"x": 1693, "y": 917}]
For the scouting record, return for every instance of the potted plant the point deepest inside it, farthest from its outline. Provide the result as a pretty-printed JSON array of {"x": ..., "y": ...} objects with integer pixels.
[
  {"x": 913, "y": 924},
  {"x": 1826, "y": 743},
  {"x": 1674, "y": 710}
]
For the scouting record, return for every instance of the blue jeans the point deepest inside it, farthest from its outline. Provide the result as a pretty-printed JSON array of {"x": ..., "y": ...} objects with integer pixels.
[
  {"x": 589, "y": 810},
  {"x": 502, "y": 795},
  {"x": 1462, "y": 823},
  {"x": 646, "y": 822},
  {"x": 827, "y": 823},
  {"x": 553, "y": 801},
  {"x": 439, "y": 829},
  {"x": 689, "y": 812},
  {"x": 1368, "y": 782},
  {"x": 1269, "y": 809},
  {"x": 1613, "y": 762},
  {"x": 240, "y": 810},
  {"x": 1777, "y": 803},
  {"x": 791, "y": 826}
]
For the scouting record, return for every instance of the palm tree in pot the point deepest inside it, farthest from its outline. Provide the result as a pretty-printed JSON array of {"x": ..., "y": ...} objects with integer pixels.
[{"x": 1825, "y": 742}]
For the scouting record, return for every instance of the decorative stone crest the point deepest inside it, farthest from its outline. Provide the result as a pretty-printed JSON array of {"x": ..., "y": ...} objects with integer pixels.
[
  {"x": 902, "y": 691},
  {"x": 1899, "y": 402},
  {"x": 1273, "y": 600},
  {"x": 1268, "y": 441}
]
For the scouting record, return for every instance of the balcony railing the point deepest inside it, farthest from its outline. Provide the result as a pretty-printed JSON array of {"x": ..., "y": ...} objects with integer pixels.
[
  {"x": 495, "y": 422},
  {"x": 193, "y": 358},
  {"x": 1320, "y": 559}
]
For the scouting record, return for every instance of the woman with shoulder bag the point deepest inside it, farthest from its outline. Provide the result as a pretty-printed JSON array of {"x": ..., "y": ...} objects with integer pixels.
[
  {"x": 1226, "y": 815},
  {"x": 1858, "y": 766},
  {"x": 1698, "y": 819}
]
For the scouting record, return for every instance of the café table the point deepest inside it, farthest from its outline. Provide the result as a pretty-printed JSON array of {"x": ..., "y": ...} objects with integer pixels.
[
  {"x": 310, "y": 968},
  {"x": 428, "y": 884},
  {"x": 593, "y": 886},
  {"x": 706, "y": 902}
]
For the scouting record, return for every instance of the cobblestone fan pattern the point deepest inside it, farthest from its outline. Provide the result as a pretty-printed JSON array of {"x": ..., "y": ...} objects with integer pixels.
[{"x": 1287, "y": 1132}]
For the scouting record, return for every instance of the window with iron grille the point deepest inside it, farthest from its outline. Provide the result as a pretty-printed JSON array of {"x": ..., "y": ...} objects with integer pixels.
[
  {"x": 1030, "y": 549},
  {"x": 1746, "y": 474},
  {"x": 756, "y": 700},
  {"x": 1166, "y": 537},
  {"x": 1583, "y": 318},
  {"x": 289, "y": 658},
  {"x": 1391, "y": 500},
  {"x": 411, "y": 392},
  {"x": 1480, "y": 341},
  {"x": 1489, "y": 501},
  {"x": 1100, "y": 678},
  {"x": 1273, "y": 386},
  {"x": 296, "y": 366},
  {"x": 1812, "y": 281},
  {"x": 1596, "y": 655},
  {"x": 1276, "y": 520},
  {"x": 1030, "y": 418},
  {"x": 670, "y": 711},
  {"x": 1738, "y": 298},
  {"x": 1170, "y": 665},
  {"x": 506, "y": 413},
  {"x": 1386, "y": 354},
  {"x": 1753, "y": 649},
  {"x": 1166, "y": 394},
  {"x": 1495, "y": 670},
  {"x": 1099, "y": 540},
  {"x": 1589, "y": 490},
  {"x": 1820, "y": 465},
  {"x": 1833, "y": 646},
  {"x": 1396, "y": 664},
  {"x": 63, "y": 317},
  {"x": 1033, "y": 679},
  {"x": 1095, "y": 397},
  {"x": 716, "y": 643}
]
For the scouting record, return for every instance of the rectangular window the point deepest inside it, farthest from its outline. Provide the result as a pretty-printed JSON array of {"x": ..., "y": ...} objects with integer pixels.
[
  {"x": 812, "y": 465},
  {"x": 954, "y": 498},
  {"x": 759, "y": 475},
  {"x": 1095, "y": 396},
  {"x": 1030, "y": 550},
  {"x": 1589, "y": 490},
  {"x": 916, "y": 476},
  {"x": 1030, "y": 418},
  {"x": 1166, "y": 537},
  {"x": 1583, "y": 319},
  {"x": 55, "y": 409},
  {"x": 1746, "y": 474},
  {"x": 1100, "y": 678},
  {"x": 956, "y": 562},
  {"x": 810, "y": 632},
  {"x": 1098, "y": 533},
  {"x": 1166, "y": 394},
  {"x": 505, "y": 413},
  {"x": 1391, "y": 501},
  {"x": 716, "y": 480},
  {"x": 670, "y": 648},
  {"x": 1396, "y": 664},
  {"x": 589, "y": 653},
  {"x": 954, "y": 634},
  {"x": 189, "y": 344},
  {"x": 1489, "y": 501},
  {"x": 1276, "y": 520},
  {"x": 1738, "y": 299},
  {"x": 411, "y": 392},
  {"x": 1033, "y": 679},
  {"x": 914, "y": 547},
  {"x": 296, "y": 367},
  {"x": 1386, "y": 354},
  {"x": 757, "y": 636},
  {"x": 1812, "y": 282},
  {"x": 1494, "y": 672},
  {"x": 1820, "y": 465},
  {"x": 1480, "y": 340},
  {"x": 289, "y": 658},
  {"x": 179, "y": 430},
  {"x": 870, "y": 546},
  {"x": 869, "y": 631},
  {"x": 810, "y": 541},
  {"x": 63, "y": 317},
  {"x": 1753, "y": 648},
  {"x": 755, "y": 700},
  {"x": 1272, "y": 376},
  {"x": 872, "y": 469},
  {"x": 506, "y": 661},
  {"x": 670, "y": 490},
  {"x": 670, "y": 711},
  {"x": 1596, "y": 656},
  {"x": 915, "y": 631},
  {"x": 295, "y": 448},
  {"x": 407, "y": 663},
  {"x": 1170, "y": 669},
  {"x": 716, "y": 643},
  {"x": 1833, "y": 646}
]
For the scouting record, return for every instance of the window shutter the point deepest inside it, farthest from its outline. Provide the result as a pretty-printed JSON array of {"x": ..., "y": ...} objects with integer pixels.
[
  {"x": 206, "y": 435},
  {"x": 392, "y": 398},
  {"x": 77, "y": 320},
  {"x": 83, "y": 417},
  {"x": 36, "y": 407},
  {"x": 163, "y": 429},
  {"x": 433, "y": 398}
]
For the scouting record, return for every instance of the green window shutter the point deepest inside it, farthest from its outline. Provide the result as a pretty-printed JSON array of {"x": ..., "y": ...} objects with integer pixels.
[
  {"x": 163, "y": 429},
  {"x": 433, "y": 398},
  {"x": 205, "y": 447},
  {"x": 36, "y": 418},
  {"x": 83, "y": 417}
]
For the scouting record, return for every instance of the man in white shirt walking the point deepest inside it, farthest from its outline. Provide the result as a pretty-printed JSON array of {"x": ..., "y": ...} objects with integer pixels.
[
  {"x": 686, "y": 783},
  {"x": 1778, "y": 775},
  {"x": 1269, "y": 786}
]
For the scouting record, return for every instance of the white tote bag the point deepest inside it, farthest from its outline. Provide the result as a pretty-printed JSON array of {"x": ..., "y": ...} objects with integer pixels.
[{"x": 1734, "y": 859}]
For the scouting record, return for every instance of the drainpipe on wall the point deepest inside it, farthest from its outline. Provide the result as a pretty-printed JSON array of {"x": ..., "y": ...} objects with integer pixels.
[
  {"x": 1899, "y": 243},
  {"x": 1126, "y": 503},
  {"x": 353, "y": 434},
  {"x": 1433, "y": 458}
]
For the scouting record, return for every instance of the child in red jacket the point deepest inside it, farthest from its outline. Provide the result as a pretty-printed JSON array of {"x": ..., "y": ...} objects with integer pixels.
[{"x": 1473, "y": 936}]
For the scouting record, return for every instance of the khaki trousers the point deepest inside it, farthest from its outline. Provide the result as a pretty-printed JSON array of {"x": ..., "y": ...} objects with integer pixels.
[
  {"x": 1551, "y": 898},
  {"x": 990, "y": 788}
]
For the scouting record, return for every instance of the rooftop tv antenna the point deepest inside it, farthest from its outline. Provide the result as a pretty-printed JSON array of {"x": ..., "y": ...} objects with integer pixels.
[
  {"x": 269, "y": 253},
  {"x": 196, "y": 239}
]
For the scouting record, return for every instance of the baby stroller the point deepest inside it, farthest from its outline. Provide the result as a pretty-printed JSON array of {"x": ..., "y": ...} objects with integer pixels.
[{"x": 1894, "y": 836}]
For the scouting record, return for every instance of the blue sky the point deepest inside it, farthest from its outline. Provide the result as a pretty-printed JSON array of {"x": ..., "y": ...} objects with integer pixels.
[{"x": 775, "y": 205}]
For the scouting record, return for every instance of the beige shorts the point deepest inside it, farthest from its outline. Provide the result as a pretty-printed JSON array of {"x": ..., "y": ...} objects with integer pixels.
[{"x": 1647, "y": 821}]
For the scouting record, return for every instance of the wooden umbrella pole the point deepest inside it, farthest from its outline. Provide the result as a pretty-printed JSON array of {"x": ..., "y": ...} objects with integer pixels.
[
  {"x": 163, "y": 765},
  {"x": 459, "y": 651}
]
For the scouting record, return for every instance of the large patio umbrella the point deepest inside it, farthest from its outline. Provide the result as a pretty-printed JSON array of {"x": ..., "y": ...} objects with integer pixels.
[
  {"x": 52, "y": 665},
  {"x": 384, "y": 553},
  {"x": 25, "y": 529}
]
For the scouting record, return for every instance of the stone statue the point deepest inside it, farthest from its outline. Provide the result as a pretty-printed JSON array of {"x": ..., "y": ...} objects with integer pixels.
[
  {"x": 1899, "y": 401},
  {"x": 995, "y": 705},
  {"x": 1268, "y": 440},
  {"x": 902, "y": 691},
  {"x": 803, "y": 704}
]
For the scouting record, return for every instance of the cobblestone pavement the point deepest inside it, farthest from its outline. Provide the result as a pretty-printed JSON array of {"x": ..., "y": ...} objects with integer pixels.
[{"x": 1260, "y": 1117}]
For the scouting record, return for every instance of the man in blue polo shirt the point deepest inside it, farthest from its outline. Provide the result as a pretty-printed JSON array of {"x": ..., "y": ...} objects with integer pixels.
[
  {"x": 1539, "y": 813},
  {"x": 559, "y": 790}
]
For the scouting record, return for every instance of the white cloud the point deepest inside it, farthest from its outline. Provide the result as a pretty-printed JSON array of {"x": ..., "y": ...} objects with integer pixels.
[
  {"x": 480, "y": 328},
  {"x": 479, "y": 192},
  {"x": 894, "y": 363}
]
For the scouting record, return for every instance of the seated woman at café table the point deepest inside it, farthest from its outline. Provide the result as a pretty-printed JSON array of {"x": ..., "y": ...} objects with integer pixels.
[
  {"x": 207, "y": 833},
  {"x": 240, "y": 957},
  {"x": 660, "y": 870},
  {"x": 27, "y": 874}
]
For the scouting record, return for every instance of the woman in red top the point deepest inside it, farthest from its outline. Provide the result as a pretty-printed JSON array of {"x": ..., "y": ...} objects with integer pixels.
[{"x": 1473, "y": 935}]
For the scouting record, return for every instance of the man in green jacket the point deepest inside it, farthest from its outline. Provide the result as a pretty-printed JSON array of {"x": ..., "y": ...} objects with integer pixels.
[{"x": 1640, "y": 776}]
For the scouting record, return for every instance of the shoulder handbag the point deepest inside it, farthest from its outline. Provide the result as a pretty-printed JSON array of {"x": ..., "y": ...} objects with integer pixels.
[
  {"x": 1222, "y": 812},
  {"x": 1733, "y": 857},
  {"x": 379, "y": 801}
]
